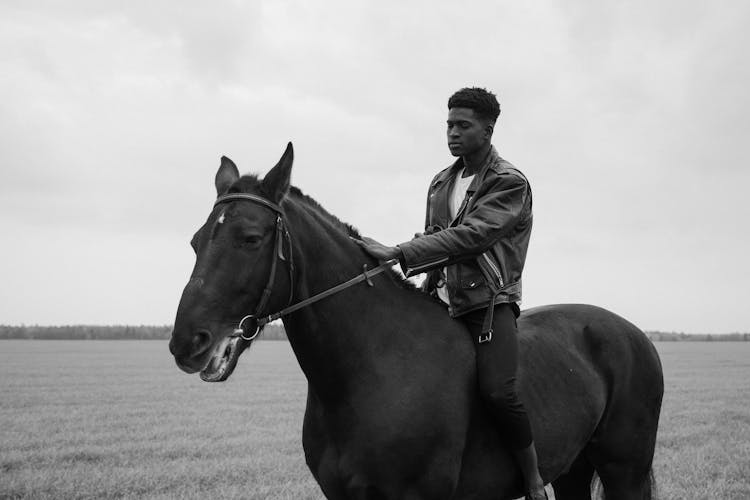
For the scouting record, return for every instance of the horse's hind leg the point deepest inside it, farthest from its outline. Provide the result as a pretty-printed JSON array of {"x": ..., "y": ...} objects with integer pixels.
[
  {"x": 622, "y": 452},
  {"x": 576, "y": 483},
  {"x": 622, "y": 455},
  {"x": 622, "y": 447}
]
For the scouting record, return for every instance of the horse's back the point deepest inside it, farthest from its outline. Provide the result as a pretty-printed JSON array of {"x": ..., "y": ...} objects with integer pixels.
[
  {"x": 555, "y": 333},
  {"x": 558, "y": 339}
]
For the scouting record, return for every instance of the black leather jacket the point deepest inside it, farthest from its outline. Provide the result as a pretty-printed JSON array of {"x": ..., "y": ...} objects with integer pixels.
[{"x": 484, "y": 246}]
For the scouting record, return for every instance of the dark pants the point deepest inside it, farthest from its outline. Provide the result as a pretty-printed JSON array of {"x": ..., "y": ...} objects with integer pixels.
[{"x": 497, "y": 362}]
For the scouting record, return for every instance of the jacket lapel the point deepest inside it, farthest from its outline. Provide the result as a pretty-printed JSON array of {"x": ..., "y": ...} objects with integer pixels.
[
  {"x": 440, "y": 196},
  {"x": 475, "y": 182}
]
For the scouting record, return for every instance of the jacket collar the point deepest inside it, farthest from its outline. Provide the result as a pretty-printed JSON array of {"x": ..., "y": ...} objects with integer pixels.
[
  {"x": 443, "y": 186},
  {"x": 449, "y": 174}
]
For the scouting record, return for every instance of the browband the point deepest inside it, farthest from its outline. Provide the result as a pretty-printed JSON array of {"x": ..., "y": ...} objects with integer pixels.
[{"x": 245, "y": 196}]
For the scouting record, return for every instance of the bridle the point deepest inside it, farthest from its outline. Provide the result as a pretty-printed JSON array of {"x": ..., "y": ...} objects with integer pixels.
[{"x": 281, "y": 235}]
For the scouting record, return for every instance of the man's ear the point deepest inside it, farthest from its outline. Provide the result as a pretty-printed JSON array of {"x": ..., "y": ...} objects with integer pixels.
[
  {"x": 489, "y": 128},
  {"x": 276, "y": 182},
  {"x": 226, "y": 175}
]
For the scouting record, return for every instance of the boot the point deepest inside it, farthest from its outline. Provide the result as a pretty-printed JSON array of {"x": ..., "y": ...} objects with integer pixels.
[{"x": 527, "y": 461}]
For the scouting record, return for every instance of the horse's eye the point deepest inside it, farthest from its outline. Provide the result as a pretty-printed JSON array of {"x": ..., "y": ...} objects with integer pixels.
[{"x": 252, "y": 240}]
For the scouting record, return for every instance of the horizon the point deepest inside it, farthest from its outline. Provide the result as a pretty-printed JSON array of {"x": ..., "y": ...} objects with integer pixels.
[{"x": 279, "y": 324}]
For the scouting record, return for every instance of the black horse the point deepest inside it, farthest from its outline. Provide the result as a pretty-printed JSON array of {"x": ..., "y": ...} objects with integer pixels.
[{"x": 392, "y": 406}]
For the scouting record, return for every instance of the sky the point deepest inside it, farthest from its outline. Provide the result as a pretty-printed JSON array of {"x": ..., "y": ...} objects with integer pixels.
[{"x": 630, "y": 120}]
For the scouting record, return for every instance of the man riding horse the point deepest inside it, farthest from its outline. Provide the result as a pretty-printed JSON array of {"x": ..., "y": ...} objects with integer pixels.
[
  {"x": 393, "y": 407},
  {"x": 477, "y": 231}
]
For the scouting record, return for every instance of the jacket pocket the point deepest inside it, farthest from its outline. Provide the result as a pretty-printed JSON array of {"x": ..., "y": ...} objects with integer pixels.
[
  {"x": 470, "y": 278},
  {"x": 468, "y": 285}
]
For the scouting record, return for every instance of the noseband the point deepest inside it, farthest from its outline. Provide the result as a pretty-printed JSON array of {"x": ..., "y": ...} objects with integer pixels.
[{"x": 282, "y": 234}]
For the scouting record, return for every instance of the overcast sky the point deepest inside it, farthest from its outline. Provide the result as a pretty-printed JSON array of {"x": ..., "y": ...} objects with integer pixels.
[{"x": 630, "y": 119}]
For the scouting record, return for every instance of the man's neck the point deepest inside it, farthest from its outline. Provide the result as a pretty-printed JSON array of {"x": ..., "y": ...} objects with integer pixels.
[{"x": 474, "y": 161}]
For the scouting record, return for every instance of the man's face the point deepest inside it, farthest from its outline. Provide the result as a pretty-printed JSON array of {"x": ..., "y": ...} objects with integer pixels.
[{"x": 467, "y": 133}]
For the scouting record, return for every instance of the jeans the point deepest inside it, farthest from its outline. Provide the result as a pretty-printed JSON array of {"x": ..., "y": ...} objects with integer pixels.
[{"x": 497, "y": 363}]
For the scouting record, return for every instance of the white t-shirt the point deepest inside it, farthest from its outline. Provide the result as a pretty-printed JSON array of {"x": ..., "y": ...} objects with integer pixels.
[{"x": 454, "y": 203}]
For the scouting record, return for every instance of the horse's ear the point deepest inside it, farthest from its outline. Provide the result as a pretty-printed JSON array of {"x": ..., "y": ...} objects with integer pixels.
[
  {"x": 226, "y": 175},
  {"x": 276, "y": 182}
]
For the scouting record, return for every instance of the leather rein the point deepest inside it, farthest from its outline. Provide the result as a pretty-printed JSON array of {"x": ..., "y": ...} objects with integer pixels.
[{"x": 281, "y": 235}]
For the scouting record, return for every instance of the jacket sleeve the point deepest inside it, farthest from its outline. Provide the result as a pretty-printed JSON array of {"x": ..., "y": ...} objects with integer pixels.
[{"x": 493, "y": 213}]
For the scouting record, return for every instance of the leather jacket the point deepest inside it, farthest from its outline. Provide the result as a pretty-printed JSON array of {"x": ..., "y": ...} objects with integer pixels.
[{"x": 484, "y": 247}]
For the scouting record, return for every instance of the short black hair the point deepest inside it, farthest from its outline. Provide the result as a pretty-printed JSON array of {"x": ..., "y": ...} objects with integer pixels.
[{"x": 482, "y": 101}]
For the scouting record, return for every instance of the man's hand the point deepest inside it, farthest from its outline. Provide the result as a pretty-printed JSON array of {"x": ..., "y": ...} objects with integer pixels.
[{"x": 378, "y": 250}]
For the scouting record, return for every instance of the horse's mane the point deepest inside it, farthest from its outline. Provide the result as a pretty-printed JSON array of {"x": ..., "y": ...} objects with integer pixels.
[
  {"x": 247, "y": 183},
  {"x": 345, "y": 226}
]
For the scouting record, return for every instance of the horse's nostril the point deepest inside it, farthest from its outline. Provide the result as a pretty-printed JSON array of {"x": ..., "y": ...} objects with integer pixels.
[{"x": 201, "y": 341}]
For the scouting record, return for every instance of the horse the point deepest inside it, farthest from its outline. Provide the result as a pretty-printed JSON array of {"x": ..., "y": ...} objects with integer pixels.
[{"x": 393, "y": 410}]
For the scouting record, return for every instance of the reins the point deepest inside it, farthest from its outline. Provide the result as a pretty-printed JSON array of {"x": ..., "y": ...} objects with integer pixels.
[{"x": 281, "y": 234}]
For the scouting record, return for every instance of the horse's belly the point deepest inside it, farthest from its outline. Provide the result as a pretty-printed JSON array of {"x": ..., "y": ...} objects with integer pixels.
[
  {"x": 387, "y": 449},
  {"x": 389, "y": 470}
]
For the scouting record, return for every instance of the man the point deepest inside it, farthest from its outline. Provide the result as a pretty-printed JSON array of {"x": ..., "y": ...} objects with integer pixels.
[{"x": 477, "y": 231}]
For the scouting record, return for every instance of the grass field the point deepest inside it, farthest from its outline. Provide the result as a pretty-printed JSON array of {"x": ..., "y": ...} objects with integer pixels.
[{"x": 116, "y": 419}]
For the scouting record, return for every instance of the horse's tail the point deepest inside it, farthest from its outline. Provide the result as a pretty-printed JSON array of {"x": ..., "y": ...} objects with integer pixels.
[
  {"x": 651, "y": 494},
  {"x": 597, "y": 490}
]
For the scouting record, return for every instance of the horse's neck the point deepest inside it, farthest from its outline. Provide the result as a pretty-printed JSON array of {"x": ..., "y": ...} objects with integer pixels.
[{"x": 330, "y": 337}]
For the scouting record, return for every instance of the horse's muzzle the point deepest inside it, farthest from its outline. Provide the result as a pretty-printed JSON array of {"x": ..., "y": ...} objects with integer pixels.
[{"x": 191, "y": 356}]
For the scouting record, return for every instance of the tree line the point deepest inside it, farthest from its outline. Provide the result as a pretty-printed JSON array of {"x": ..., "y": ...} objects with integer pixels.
[
  {"x": 700, "y": 337},
  {"x": 271, "y": 332},
  {"x": 109, "y": 332}
]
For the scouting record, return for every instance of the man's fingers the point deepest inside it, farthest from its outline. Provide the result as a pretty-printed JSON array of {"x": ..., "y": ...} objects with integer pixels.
[{"x": 369, "y": 241}]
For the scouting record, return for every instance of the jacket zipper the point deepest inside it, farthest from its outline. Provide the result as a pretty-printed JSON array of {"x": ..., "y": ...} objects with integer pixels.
[{"x": 494, "y": 269}]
